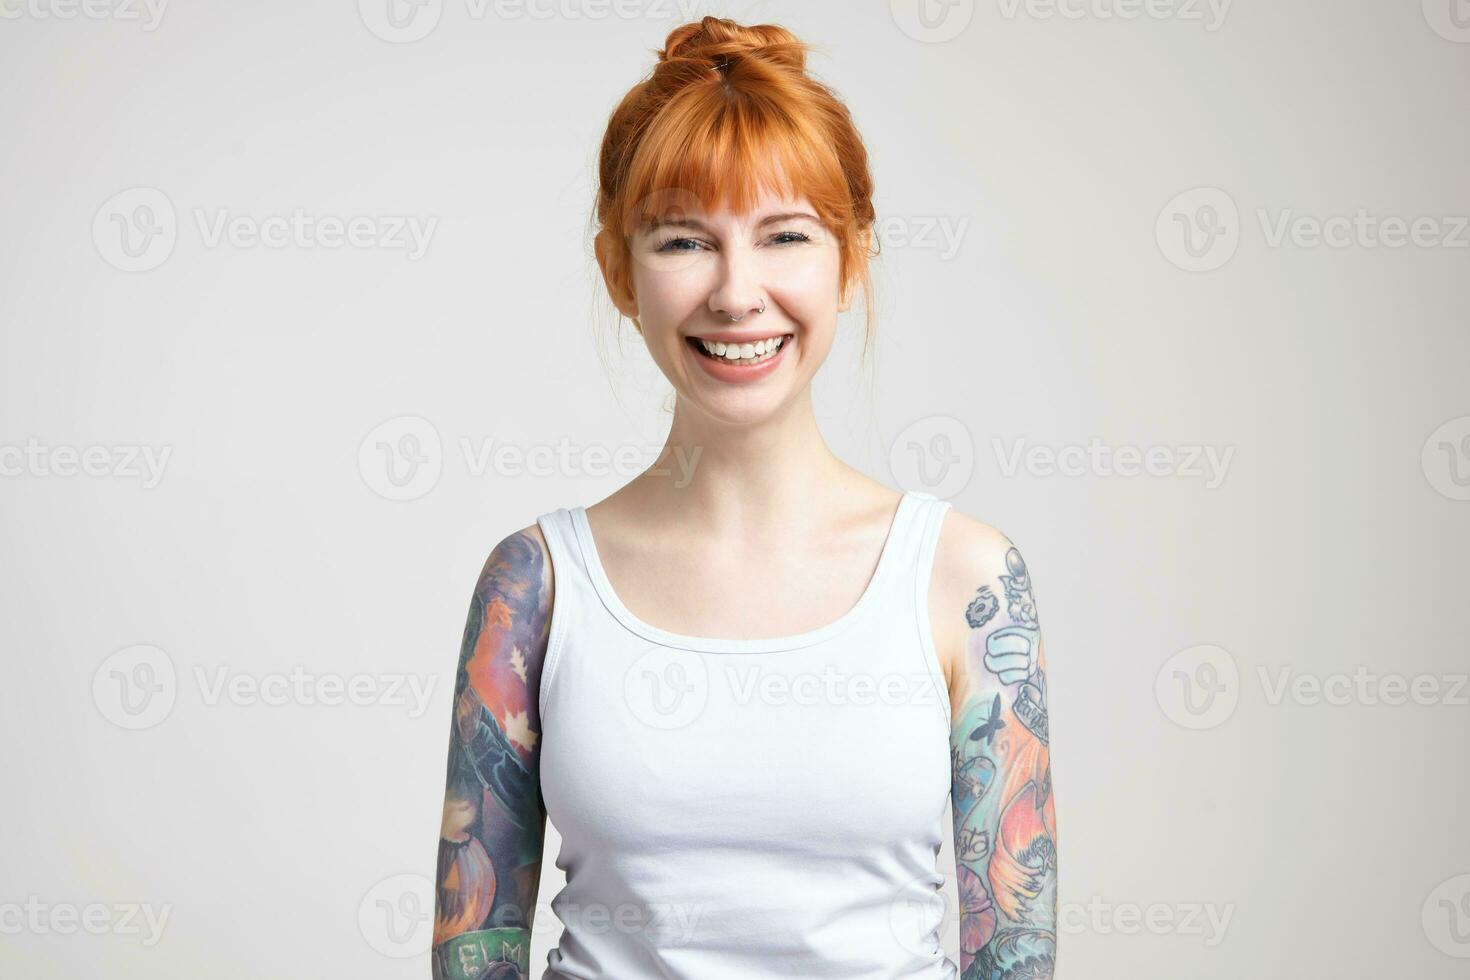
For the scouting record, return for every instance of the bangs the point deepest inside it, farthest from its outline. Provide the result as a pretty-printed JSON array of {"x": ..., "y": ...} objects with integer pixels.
[{"x": 711, "y": 152}]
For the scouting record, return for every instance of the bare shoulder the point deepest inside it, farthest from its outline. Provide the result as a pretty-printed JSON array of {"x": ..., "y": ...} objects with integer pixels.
[
  {"x": 970, "y": 553},
  {"x": 970, "y": 559},
  {"x": 513, "y": 596},
  {"x": 517, "y": 555}
]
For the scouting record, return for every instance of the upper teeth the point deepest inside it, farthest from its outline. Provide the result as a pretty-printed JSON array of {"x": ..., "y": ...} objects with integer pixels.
[{"x": 734, "y": 352}]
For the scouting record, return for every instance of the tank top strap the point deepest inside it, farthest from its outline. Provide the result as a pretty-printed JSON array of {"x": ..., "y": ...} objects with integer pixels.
[
  {"x": 574, "y": 598},
  {"x": 567, "y": 560},
  {"x": 930, "y": 520},
  {"x": 915, "y": 537},
  {"x": 909, "y": 590}
]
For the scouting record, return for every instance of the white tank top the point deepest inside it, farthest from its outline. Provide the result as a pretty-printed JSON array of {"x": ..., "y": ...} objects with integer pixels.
[{"x": 747, "y": 809}]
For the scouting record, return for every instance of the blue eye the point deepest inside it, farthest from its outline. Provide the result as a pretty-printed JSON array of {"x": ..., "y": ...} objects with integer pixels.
[{"x": 693, "y": 245}]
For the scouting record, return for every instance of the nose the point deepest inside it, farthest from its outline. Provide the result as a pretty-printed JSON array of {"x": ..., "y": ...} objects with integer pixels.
[{"x": 738, "y": 294}]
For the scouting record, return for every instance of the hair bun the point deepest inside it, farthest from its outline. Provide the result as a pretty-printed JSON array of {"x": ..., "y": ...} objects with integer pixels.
[{"x": 720, "y": 43}]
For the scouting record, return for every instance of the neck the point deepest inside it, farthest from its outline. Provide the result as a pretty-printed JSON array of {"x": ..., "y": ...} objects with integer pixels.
[{"x": 736, "y": 474}]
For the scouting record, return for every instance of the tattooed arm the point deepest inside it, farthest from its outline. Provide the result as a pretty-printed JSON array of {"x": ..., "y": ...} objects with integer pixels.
[
  {"x": 989, "y": 640},
  {"x": 494, "y": 819}
]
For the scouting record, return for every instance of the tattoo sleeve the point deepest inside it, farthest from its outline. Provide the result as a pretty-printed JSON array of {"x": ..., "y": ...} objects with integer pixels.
[
  {"x": 1004, "y": 816},
  {"x": 494, "y": 818}
]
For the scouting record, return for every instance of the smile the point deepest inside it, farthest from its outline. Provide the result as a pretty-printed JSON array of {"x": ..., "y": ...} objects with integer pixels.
[{"x": 750, "y": 352}]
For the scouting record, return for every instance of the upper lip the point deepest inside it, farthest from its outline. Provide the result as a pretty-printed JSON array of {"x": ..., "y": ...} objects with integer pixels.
[{"x": 746, "y": 336}]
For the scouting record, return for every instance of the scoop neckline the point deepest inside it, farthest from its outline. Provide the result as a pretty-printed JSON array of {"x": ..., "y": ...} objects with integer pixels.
[{"x": 712, "y": 644}]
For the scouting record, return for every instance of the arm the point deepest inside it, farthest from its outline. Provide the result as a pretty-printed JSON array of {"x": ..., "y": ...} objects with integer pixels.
[
  {"x": 1004, "y": 812},
  {"x": 494, "y": 819}
]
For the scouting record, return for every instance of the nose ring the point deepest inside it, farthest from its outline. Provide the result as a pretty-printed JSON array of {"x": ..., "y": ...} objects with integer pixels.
[{"x": 742, "y": 316}]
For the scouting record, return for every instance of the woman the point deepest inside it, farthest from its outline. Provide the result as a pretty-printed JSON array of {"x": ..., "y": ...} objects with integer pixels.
[{"x": 745, "y": 697}]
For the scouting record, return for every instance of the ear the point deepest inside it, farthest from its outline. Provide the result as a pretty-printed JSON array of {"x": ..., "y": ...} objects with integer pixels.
[{"x": 610, "y": 261}]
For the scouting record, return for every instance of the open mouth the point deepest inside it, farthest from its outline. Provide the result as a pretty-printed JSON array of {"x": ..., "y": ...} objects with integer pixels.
[{"x": 739, "y": 355}]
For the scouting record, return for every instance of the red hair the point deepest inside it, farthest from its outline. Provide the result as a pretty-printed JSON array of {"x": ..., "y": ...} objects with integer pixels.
[{"x": 727, "y": 111}]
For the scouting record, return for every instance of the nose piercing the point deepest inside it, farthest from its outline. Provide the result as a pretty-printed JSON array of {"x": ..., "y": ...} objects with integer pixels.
[{"x": 742, "y": 316}]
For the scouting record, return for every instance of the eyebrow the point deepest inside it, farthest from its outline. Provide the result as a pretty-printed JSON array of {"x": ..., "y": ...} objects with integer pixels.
[{"x": 697, "y": 225}]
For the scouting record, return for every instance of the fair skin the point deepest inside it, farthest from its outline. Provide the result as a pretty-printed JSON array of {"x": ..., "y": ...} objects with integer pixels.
[
  {"x": 772, "y": 520},
  {"x": 770, "y": 515}
]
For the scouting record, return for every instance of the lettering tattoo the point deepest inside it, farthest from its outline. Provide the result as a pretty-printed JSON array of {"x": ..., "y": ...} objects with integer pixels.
[
  {"x": 1004, "y": 813},
  {"x": 494, "y": 818}
]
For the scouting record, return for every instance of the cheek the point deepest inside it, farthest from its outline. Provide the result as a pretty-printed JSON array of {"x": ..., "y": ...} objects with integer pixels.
[
  {"x": 808, "y": 291},
  {"x": 808, "y": 273},
  {"x": 670, "y": 295}
]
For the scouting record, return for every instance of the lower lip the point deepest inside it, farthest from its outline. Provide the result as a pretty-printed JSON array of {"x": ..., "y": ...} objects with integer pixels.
[{"x": 736, "y": 373}]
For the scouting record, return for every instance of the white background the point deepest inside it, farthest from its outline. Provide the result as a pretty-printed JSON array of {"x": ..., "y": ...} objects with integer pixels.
[{"x": 1054, "y": 142}]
